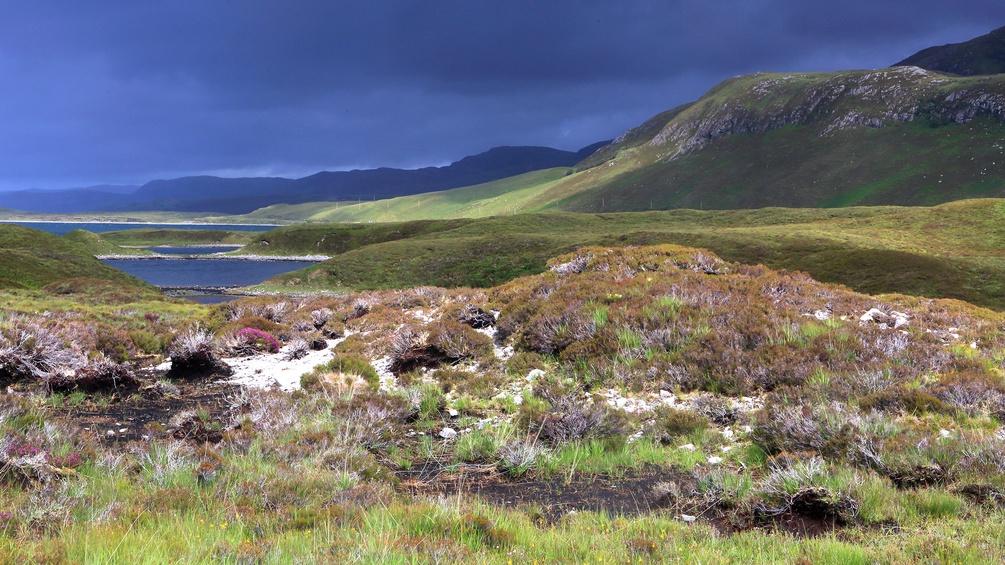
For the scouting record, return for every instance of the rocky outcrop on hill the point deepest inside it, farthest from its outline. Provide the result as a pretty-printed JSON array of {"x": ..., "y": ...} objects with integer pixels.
[{"x": 830, "y": 103}]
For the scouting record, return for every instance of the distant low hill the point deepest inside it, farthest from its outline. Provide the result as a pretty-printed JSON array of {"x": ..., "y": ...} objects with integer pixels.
[
  {"x": 241, "y": 195},
  {"x": 984, "y": 55},
  {"x": 32, "y": 258},
  {"x": 955, "y": 250}
]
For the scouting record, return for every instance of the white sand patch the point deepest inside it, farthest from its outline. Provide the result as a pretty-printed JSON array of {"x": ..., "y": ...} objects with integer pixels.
[
  {"x": 274, "y": 369},
  {"x": 388, "y": 382},
  {"x": 501, "y": 353}
]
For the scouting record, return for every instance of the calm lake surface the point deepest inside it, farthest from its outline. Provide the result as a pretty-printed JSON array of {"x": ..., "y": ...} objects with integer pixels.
[
  {"x": 204, "y": 272},
  {"x": 61, "y": 228}
]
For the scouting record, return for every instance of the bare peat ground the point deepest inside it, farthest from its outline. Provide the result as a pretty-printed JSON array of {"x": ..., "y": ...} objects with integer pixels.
[
  {"x": 635, "y": 492},
  {"x": 146, "y": 413}
]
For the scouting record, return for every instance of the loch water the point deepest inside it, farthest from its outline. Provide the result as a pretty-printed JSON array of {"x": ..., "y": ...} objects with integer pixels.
[
  {"x": 204, "y": 273},
  {"x": 63, "y": 228}
]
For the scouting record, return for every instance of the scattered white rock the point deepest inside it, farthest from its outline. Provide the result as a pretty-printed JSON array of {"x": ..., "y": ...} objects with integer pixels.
[
  {"x": 268, "y": 370},
  {"x": 110, "y": 433},
  {"x": 688, "y": 447},
  {"x": 944, "y": 433},
  {"x": 688, "y": 518},
  {"x": 453, "y": 413},
  {"x": 448, "y": 433},
  {"x": 714, "y": 460},
  {"x": 123, "y": 430},
  {"x": 534, "y": 374}
]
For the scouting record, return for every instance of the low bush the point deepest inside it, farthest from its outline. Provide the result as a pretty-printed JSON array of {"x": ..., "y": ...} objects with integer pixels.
[
  {"x": 340, "y": 366},
  {"x": 192, "y": 354},
  {"x": 29, "y": 351},
  {"x": 670, "y": 424},
  {"x": 99, "y": 375}
]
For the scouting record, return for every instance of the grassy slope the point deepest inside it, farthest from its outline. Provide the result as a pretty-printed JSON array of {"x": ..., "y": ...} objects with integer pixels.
[
  {"x": 32, "y": 259},
  {"x": 149, "y": 237},
  {"x": 488, "y": 199},
  {"x": 955, "y": 250},
  {"x": 925, "y": 162}
]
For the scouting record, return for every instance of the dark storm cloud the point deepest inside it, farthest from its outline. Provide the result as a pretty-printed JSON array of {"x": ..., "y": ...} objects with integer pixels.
[{"x": 126, "y": 91}]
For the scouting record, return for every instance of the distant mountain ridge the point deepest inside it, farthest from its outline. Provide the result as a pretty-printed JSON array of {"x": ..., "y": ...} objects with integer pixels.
[
  {"x": 984, "y": 55},
  {"x": 243, "y": 195}
]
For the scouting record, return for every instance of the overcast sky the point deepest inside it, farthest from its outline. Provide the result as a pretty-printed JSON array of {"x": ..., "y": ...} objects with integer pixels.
[{"x": 104, "y": 91}]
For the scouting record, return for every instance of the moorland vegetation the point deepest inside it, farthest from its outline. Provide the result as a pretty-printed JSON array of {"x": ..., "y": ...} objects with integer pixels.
[{"x": 653, "y": 403}]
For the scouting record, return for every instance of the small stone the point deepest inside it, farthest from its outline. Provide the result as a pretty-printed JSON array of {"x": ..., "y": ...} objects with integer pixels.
[
  {"x": 453, "y": 413},
  {"x": 944, "y": 433},
  {"x": 123, "y": 430},
  {"x": 726, "y": 448},
  {"x": 688, "y": 447},
  {"x": 534, "y": 374},
  {"x": 688, "y": 518},
  {"x": 448, "y": 433},
  {"x": 714, "y": 460},
  {"x": 110, "y": 433}
]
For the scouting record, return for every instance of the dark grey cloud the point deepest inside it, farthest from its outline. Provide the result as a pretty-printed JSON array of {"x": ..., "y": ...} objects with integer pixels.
[{"x": 125, "y": 91}]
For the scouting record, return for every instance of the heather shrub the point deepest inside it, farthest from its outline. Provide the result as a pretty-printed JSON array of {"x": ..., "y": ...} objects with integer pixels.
[
  {"x": 670, "y": 424},
  {"x": 341, "y": 365},
  {"x": 972, "y": 392},
  {"x": 249, "y": 341},
  {"x": 254, "y": 322},
  {"x": 298, "y": 348},
  {"x": 31, "y": 351},
  {"x": 806, "y": 487},
  {"x": 580, "y": 422},
  {"x": 523, "y": 362},
  {"x": 192, "y": 354},
  {"x": 518, "y": 457},
  {"x": 458, "y": 341},
  {"x": 113, "y": 343},
  {"x": 828, "y": 429},
  {"x": 351, "y": 345},
  {"x": 100, "y": 374},
  {"x": 320, "y": 317},
  {"x": 903, "y": 399}
]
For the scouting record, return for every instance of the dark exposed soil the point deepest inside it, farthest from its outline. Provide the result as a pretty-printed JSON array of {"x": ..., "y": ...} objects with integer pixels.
[
  {"x": 146, "y": 413},
  {"x": 634, "y": 493}
]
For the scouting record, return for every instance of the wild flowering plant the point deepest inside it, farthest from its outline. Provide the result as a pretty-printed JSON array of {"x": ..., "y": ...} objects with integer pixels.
[{"x": 255, "y": 336}]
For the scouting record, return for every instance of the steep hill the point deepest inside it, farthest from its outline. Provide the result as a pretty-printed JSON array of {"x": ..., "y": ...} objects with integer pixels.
[
  {"x": 984, "y": 55},
  {"x": 901, "y": 136}
]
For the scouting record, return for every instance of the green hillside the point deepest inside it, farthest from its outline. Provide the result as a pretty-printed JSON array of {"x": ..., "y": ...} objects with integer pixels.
[
  {"x": 955, "y": 250},
  {"x": 489, "y": 199},
  {"x": 900, "y": 136},
  {"x": 32, "y": 259},
  {"x": 149, "y": 237}
]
